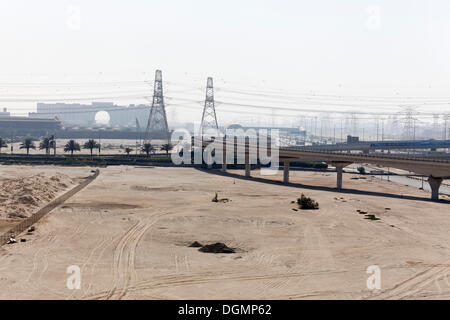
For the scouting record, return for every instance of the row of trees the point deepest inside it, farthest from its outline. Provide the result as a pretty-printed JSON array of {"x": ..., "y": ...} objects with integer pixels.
[{"x": 72, "y": 146}]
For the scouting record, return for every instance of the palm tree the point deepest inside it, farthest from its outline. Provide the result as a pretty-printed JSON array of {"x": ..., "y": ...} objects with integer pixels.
[
  {"x": 46, "y": 144},
  {"x": 52, "y": 144},
  {"x": 72, "y": 146},
  {"x": 28, "y": 144},
  {"x": 91, "y": 144},
  {"x": 128, "y": 150},
  {"x": 147, "y": 148},
  {"x": 2, "y": 144},
  {"x": 167, "y": 147}
]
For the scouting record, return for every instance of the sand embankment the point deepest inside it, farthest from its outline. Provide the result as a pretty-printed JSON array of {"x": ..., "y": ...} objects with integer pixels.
[{"x": 22, "y": 196}]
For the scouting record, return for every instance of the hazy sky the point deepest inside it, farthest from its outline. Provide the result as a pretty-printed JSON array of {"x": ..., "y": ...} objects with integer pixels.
[{"x": 355, "y": 46}]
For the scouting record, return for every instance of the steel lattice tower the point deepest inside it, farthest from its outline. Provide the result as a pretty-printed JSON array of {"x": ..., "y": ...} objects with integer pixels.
[
  {"x": 157, "y": 122},
  {"x": 209, "y": 118}
]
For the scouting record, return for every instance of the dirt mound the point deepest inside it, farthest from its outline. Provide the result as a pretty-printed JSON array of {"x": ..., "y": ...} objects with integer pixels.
[
  {"x": 195, "y": 244},
  {"x": 216, "y": 248},
  {"x": 21, "y": 197}
]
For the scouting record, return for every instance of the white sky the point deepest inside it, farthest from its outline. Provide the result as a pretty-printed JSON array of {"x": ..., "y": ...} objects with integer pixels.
[{"x": 352, "y": 47}]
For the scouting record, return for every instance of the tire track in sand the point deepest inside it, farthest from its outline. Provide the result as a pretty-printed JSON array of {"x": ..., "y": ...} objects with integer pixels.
[
  {"x": 413, "y": 285},
  {"x": 125, "y": 255}
]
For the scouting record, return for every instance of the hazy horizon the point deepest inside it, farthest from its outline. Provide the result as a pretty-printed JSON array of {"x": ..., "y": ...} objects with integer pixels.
[{"x": 82, "y": 50}]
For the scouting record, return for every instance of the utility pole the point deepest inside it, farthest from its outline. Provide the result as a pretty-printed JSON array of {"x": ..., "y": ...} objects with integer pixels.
[
  {"x": 157, "y": 122},
  {"x": 334, "y": 134},
  {"x": 445, "y": 127},
  {"x": 321, "y": 125},
  {"x": 378, "y": 120},
  {"x": 315, "y": 127},
  {"x": 353, "y": 124},
  {"x": 435, "y": 125},
  {"x": 209, "y": 118}
]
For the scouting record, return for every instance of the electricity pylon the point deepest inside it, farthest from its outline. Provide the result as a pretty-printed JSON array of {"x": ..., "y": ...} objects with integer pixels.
[
  {"x": 209, "y": 119},
  {"x": 157, "y": 122}
]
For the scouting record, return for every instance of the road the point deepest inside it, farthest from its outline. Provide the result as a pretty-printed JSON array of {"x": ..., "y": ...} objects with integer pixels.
[{"x": 412, "y": 181}]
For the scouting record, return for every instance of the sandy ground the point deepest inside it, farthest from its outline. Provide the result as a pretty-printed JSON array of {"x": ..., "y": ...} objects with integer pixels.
[
  {"x": 23, "y": 191},
  {"x": 129, "y": 232}
]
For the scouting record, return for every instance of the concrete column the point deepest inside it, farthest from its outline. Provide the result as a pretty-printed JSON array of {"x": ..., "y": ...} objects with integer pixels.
[
  {"x": 209, "y": 165},
  {"x": 247, "y": 165},
  {"x": 286, "y": 166},
  {"x": 247, "y": 158},
  {"x": 339, "y": 169},
  {"x": 435, "y": 183},
  {"x": 224, "y": 157}
]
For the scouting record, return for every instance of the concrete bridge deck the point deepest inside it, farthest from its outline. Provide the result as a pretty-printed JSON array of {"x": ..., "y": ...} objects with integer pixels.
[
  {"x": 435, "y": 169},
  {"x": 382, "y": 145}
]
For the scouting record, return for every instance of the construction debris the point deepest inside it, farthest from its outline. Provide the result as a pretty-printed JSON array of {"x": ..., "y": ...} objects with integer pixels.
[
  {"x": 11, "y": 241},
  {"x": 216, "y": 199}
]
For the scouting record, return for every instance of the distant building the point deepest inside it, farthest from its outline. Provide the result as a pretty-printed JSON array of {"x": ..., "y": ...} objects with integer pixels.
[
  {"x": 83, "y": 115},
  {"x": 4, "y": 113},
  {"x": 281, "y": 130},
  {"x": 351, "y": 139},
  {"x": 19, "y": 123}
]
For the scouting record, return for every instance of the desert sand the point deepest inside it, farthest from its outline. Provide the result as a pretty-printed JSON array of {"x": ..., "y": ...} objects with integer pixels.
[{"x": 130, "y": 229}]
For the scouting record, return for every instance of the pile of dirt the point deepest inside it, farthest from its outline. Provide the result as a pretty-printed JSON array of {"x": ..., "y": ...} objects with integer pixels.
[
  {"x": 216, "y": 248},
  {"x": 195, "y": 244},
  {"x": 21, "y": 197}
]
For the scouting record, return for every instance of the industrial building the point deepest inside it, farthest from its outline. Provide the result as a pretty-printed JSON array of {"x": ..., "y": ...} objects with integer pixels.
[
  {"x": 9, "y": 122},
  {"x": 83, "y": 115},
  {"x": 25, "y": 126}
]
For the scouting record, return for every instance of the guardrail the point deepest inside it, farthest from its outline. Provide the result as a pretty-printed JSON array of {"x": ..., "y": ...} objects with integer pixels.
[
  {"x": 28, "y": 222},
  {"x": 384, "y": 156},
  {"x": 326, "y": 152}
]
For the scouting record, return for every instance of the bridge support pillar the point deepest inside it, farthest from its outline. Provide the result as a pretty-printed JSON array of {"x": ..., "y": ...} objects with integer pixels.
[
  {"x": 286, "y": 165},
  {"x": 339, "y": 169},
  {"x": 224, "y": 157},
  {"x": 247, "y": 166},
  {"x": 209, "y": 166},
  {"x": 224, "y": 165},
  {"x": 435, "y": 183}
]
